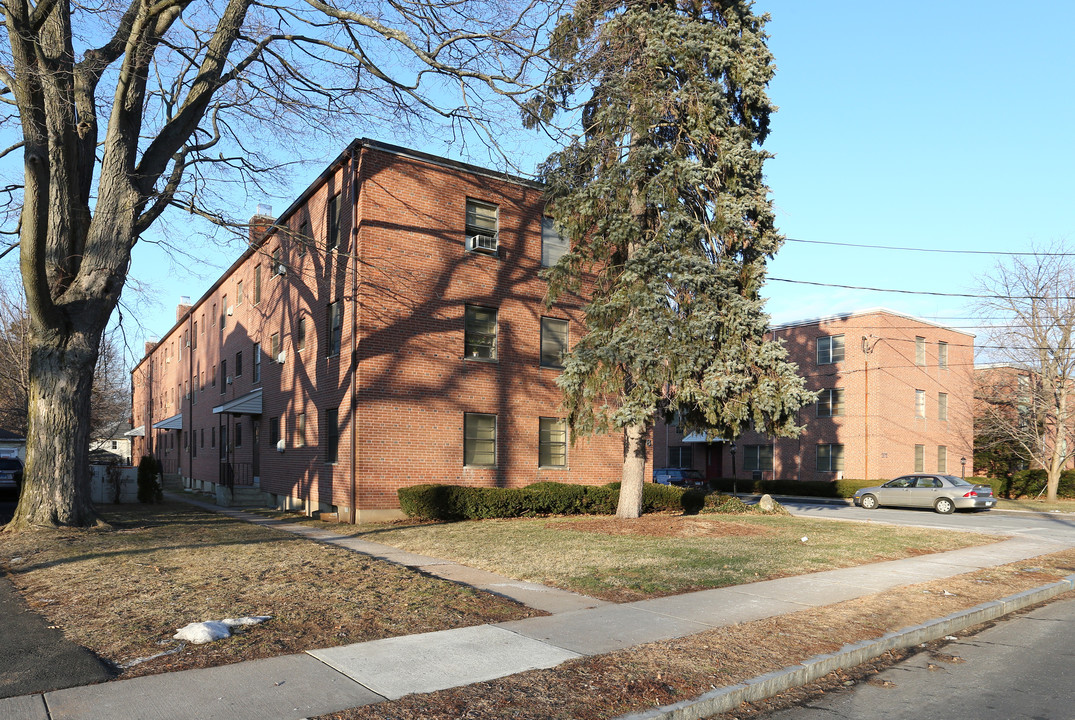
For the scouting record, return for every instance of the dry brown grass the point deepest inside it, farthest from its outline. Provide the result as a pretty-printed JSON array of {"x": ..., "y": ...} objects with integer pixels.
[
  {"x": 123, "y": 592},
  {"x": 665, "y": 672}
]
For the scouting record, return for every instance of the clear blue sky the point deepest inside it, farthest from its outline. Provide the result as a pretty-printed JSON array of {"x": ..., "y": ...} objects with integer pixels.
[{"x": 919, "y": 124}]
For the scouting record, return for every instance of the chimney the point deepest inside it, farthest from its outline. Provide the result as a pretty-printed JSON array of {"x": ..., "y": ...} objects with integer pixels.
[
  {"x": 183, "y": 307},
  {"x": 150, "y": 344},
  {"x": 260, "y": 223}
]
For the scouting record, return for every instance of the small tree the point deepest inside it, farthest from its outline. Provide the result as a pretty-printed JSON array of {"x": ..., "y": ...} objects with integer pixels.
[
  {"x": 1026, "y": 402},
  {"x": 149, "y": 487},
  {"x": 663, "y": 199}
]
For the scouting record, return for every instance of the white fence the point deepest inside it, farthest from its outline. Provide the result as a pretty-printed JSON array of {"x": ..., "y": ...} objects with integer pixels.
[{"x": 103, "y": 490}]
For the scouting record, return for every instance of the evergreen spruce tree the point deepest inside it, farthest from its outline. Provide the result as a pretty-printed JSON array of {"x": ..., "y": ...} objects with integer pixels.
[{"x": 663, "y": 198}]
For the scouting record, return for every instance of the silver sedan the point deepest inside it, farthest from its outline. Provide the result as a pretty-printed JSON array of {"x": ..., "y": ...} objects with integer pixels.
[{"x": 943, "y": 493}]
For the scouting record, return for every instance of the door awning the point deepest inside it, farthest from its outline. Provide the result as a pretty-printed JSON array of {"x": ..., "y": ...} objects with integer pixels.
[
  {"x": 139, "y": 431},
  {"x": 249, "y": 404},
  {"x": 698, "y": 437},
  {"x": 175, "y": 422}
]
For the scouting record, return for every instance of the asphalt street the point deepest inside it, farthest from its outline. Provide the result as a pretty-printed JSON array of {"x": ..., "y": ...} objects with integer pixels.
[{"x": 1020, "y": 669}]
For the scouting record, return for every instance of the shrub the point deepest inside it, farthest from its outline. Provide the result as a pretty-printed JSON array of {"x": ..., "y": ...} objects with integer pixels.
[
  {"x": 149, "y": 488},
  {"x": 455, "y": 502}
]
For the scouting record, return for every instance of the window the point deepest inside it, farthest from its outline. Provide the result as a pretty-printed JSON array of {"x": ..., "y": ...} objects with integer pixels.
[
  {"x": 830, "y": 403},
  {"x": 257, "y": 362},
  {"x": 239, "y": 293},
  {"x": 257, "y": 284},
  {"x": 278, "y": 267},
  {"x": 479, "y": 440},
  {"x": 300, "y": 430},
  {"x": 481, "y": 226},
  {"x": 334, "y": 323},
  {"x": 238, "y": 363},
  {"x": 942, "y": 406},
  {"x": 214, "y": 376},
  {"x": 679, "y": 456},
  {"x": 212, "y": 437},
  {"x": 274, "y": 347},
  {"x": 553, "y": 342},
  {"x": 238, "y": 433},
  {"x": 479, "y": 333},
  {"x": 919, "y": 458},
  {"x": 830, "y": 458},
  {"x": 274, "y": 432},
  {"x": 300, "y": 334},
  {"x": 758, "y": 457},
  {"x": 942, "y": 458},
  {"x": 194, "y": 336},
  {"x": 552, "y": 442},
  {"x": 223, "y": 375},
  {"x": 223, "y": 315},
  {"x": 942, "y": 355},
  {"x": 830, "y": 349},
  {"x": 553, "y": 244},
  {"x": 920, "y": 403},
  {"x": 332, "y": 223},
  {"x": 919, "y": 351},
  {"x": 303, "y": 239},
  {"x": 332, "y": 435}
]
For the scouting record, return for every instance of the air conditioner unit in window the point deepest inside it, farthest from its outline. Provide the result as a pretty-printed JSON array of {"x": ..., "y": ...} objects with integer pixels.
[
  {"x": 280, "y": 269},
  {"x": 231, "y": 310},
  {"x": 281, "y": 357},
  {"x": 229, "y": 380},
  {"x": 482, "y": 243}
]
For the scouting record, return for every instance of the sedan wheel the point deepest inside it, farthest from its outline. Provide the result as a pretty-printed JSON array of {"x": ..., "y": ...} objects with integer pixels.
[
  {"x": 944, "y": 506},
  {"x": 869, "y": 502}
]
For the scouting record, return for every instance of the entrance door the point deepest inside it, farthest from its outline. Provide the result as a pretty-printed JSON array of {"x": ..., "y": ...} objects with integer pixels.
[
  {"x": 714, "y": 457},
  {"x": 255, "y": 461}
]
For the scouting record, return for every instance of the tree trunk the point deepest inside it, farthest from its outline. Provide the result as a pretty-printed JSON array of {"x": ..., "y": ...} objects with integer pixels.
[
  {"x": 634, "y": 471},
  {"x": 57, "y": 476}
]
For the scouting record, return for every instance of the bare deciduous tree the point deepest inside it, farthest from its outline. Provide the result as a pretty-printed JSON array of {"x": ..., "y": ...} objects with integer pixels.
[
  {"x": 1026, "y": 398},
  {"x": 122, "y": 111}
]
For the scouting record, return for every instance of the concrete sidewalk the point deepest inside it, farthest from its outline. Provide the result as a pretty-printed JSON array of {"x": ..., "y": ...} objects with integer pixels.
[{"x": 333, "y": 679}]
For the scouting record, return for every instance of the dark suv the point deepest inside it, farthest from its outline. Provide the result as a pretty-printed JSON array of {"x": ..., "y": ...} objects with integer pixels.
[
  {"x": 10, "y": 474},
  {"x": 681, "y": 477}
]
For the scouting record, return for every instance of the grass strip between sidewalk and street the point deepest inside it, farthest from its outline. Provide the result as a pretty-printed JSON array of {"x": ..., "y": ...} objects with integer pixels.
[{"x": 661, "y": 673}]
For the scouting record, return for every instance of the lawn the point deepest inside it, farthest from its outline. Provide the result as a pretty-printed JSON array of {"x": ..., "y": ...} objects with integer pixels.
[
  {"x": 124, "y": 592},
  {"x": 1036, "y": 505},
  {"x": 623, "y": 560}
]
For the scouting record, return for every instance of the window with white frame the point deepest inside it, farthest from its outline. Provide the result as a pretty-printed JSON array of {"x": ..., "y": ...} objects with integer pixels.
[
  {"x": 830, "y": 402},
  {"x": 479, "y": 440},
  {"x": 482, "y": 226},
  {"x": 920, "y": 351},
  {"x": 919, "y": 458},
  {"x": 334, "y": 323},
  {"x": 942, "y": 406},
  {"x": 830, "y": 457},
  {"x": 942, "y": 355},
  {"x": 830, "y": 349},
  {"x": 920, "y": 403},
  {"x": 942, "y": 458},
  {"x": 552, "y": 442},
  {"x": 479, "y": 333},
  {"x": 553, "y": 342},
  {"x": 553, "y": 245},
  {"x": 758, "y": 458}
]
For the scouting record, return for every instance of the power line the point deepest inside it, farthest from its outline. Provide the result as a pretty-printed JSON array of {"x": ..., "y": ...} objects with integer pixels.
[
  {"x": 931, "y": 250},
  {"x": 919, "y": 292}
]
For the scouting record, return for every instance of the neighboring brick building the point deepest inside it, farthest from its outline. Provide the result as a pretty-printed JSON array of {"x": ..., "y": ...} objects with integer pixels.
[
  {"x": 330, "y": 388},
  {"x": 897, "y": 396}
]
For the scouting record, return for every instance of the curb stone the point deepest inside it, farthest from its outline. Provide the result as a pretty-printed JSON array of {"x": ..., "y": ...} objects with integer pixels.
[{"x": 765, "y": 686}]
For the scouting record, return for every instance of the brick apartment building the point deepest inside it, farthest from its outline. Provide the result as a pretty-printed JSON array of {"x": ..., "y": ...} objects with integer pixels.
[
  {"x": 897, "y": 396},
  {"x": 388, "y": 329}
]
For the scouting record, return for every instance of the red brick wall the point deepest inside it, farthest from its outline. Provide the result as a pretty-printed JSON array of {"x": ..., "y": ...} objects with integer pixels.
[
  {"x": 878, "y": 428},
  {"x": 412, "y": 384}
]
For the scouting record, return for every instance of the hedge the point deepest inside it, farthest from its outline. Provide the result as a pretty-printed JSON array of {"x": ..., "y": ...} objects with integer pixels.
[
  {"x": 1029, "y": 483},
  {"x": 806, "y": 488},
  {"x": 455, "y": 502}
]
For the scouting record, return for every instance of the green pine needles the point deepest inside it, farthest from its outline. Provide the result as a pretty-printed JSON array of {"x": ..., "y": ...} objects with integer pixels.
[{"x": 663, "y": 198}]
